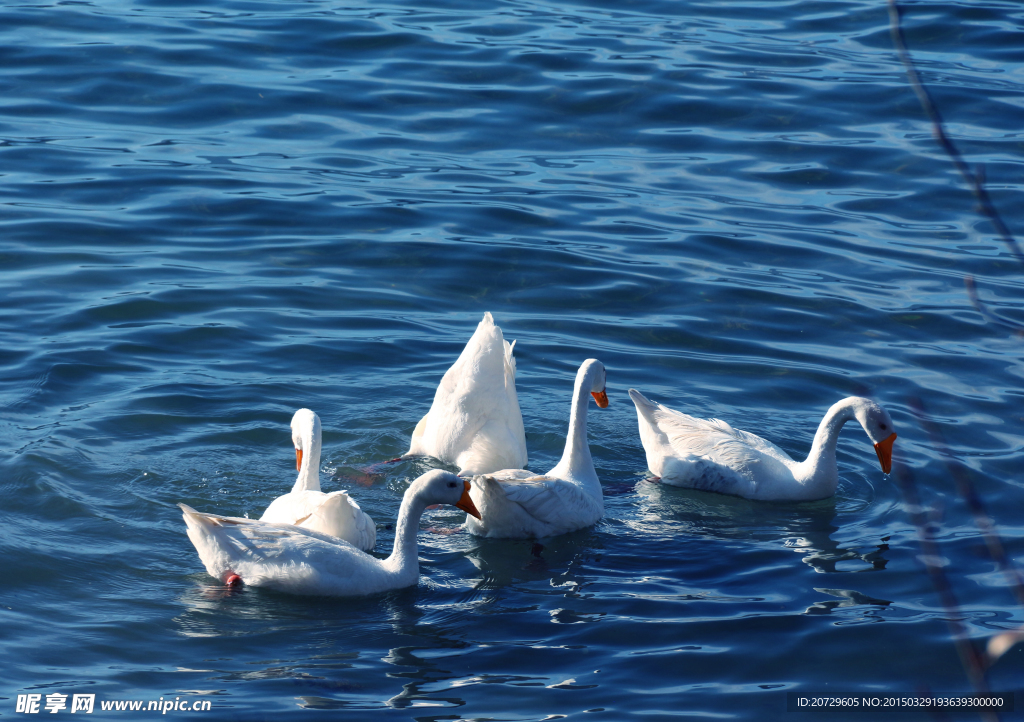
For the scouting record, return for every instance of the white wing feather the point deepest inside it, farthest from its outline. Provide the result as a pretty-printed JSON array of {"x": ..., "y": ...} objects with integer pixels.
[
  {"x": 523, "y": 505},
  {"x": 336, "y": 514},
  {"x": 713, "y": 438},
  {"x": 707, "y": 454}
]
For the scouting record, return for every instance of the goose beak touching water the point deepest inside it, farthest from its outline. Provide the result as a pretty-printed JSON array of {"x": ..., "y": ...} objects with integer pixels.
[
  {"x": 877, "y": 425},
  {"x": 884, "y": 451},
  {"x": 709, "y": 454},
  {"x": 293, "y": 559}
]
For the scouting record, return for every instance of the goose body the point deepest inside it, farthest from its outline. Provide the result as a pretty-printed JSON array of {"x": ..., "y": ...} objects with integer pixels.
[
  {"x": 709, "y": 454},
  {"x": 306, "y": 506},
  {"x": 475, "y": 421},
  {"x": 519, "y": 504},
  {"x": 294, "y": 559}
]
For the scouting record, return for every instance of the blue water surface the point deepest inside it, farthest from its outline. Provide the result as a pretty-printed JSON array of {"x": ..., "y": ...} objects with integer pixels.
[{"x": 212, "y": 214}]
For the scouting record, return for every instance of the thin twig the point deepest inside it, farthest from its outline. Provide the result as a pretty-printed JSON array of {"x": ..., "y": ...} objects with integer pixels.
[
  {"x": 975, "y": 180},
  {"x": 971, "y": 659},
  {"x": 972, "y": 294},
  {"x": 1001, "y": 643},
  {"x": 965, "y": 485}
]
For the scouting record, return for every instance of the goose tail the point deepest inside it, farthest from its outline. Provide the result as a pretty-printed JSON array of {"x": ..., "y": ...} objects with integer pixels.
[{"x": 642, "y": 403}]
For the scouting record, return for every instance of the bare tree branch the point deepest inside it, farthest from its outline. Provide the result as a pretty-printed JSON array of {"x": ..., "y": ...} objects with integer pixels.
[
  {"x": 965, "y": 485},
  {"x": 1000, "y": 643},
  {"x": 973, "y": 661},
  {"x": 974, "y": 180},
  {"x": 972, "y": 294}
]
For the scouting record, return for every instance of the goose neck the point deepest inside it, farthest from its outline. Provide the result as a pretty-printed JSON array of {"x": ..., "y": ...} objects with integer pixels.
[
  {"x": 576, "y": 461},
  {"x": 309, "y": 469},
  {"x": 821, "y": 461},
  {"x": 404, "y": 557}
]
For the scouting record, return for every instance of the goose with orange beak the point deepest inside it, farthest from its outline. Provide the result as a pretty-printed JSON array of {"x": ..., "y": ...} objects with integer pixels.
[
  {"x": 293, "y": 559},
  {"x": 335, "y": 513},
  {"x": 520, "y": 504},
  {"x": 710, "y": 455}
]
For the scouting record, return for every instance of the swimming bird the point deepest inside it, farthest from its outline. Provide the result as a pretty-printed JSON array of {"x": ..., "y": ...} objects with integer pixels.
[
  {"x": 475, "y": 421},
  {"x": 307, "y": 506},
  {"x": 518, "y": 504},
  {"x": 709, "y": 454},
  {"x": 293, "y": 559}
]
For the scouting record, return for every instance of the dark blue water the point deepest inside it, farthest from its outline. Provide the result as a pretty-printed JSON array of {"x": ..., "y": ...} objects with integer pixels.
[{"x": 212, "y": 214}]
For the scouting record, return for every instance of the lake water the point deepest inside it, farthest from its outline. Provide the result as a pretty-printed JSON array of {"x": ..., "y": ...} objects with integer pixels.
[{"x": 215, "y": 213}]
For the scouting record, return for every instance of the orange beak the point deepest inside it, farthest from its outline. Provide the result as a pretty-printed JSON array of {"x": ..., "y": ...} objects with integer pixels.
[
  {"x": 298, "y": 459},
  {"x": 601, "y": 398},
  {"x": 884, "y": 451},
  {"x": 466, "y": 504}
]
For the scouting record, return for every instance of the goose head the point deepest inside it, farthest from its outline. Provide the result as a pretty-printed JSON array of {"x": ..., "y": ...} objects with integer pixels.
[
  {"x": 878, "y": 426},
  {"x": 305, "y": 433},
  {"x": 594, "y": 369},
  {"x": 443, "y": 487}
]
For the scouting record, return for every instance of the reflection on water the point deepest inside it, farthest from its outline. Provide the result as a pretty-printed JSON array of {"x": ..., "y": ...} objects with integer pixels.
[
  {"x": 508, "y": 562},
  {"x": 846, "y": 598},
  {"x": 826, "y": 557},
  {"x": 351, "y": 634},
  {"x": 807, "y": 528}
]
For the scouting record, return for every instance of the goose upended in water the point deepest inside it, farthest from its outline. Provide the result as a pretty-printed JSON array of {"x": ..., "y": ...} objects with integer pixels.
[
  {"x": 475, "y": 420},
  {"x": 306, "y": 506},
  {"x": 712, "y": 456},
  {"x": 519, "y": 504},
  {"x": 292, "y": 559}
]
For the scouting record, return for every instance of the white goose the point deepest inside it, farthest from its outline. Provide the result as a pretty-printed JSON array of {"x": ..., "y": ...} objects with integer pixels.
[
  {"x": 712, "y": 456},
  {"x": 517, "y": 504},
  {"x": 475, "y": 420},
  {"x": 301, "y": 561},
  {"x": 306, "y": 506}
]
